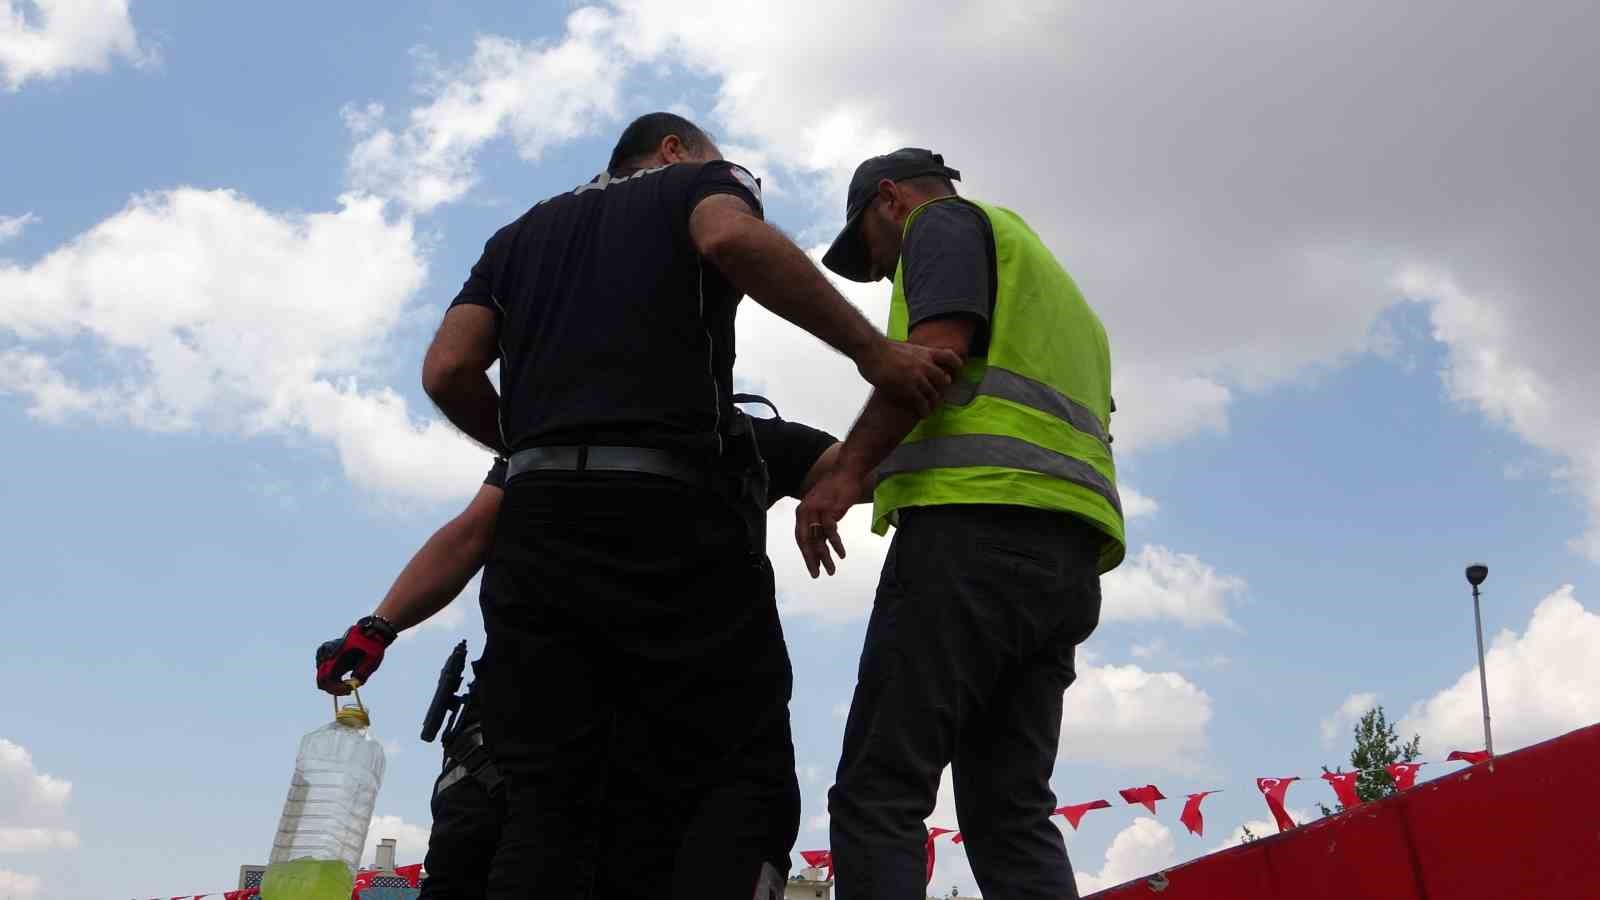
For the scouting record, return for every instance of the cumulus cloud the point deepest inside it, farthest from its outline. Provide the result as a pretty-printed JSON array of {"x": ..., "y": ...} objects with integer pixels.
[
  {"x": 539, "y": 93},
  {"x": 1159, "y": 584},
  {"x": 1145, "y": 847},
  {"x": 18, "y": 886},
  {"x": 1540, "y": 684},
  {"x": 198, "y": 309},
  {"x": 411, "y": 841},
  {"x": 1349, "y": 712},
  {"x": 33, "y": 804},
  {"x": 51, "y": 38},
  {"x": 1128, "y": 717},
  {"x": 1264, "y": 827}
]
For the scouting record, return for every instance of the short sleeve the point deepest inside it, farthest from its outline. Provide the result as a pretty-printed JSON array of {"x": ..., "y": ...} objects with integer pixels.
[
  {"x": 479, "y": 287},
  {"x": 949, "y": 265},
  {"x": 790, "y": 449},
  {"x": 497, "y": 474}
]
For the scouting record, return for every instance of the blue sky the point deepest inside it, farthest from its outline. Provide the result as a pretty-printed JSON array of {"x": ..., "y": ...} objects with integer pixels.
[{"x": 1346, "y": 305}]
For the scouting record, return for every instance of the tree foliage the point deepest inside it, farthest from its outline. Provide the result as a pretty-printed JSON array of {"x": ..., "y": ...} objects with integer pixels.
[{"x": 1377, "y": 744}]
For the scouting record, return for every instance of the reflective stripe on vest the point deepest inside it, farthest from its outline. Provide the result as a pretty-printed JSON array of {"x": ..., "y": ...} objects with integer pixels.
[
  {"x": 957, "y": 451},
  {"x": 1025, "y": 391}
]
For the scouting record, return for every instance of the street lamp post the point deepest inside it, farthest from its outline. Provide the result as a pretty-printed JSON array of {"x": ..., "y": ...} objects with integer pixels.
[{"x": 1476, "y": 573}]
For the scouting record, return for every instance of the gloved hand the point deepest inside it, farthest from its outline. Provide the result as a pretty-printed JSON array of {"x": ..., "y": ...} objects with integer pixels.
[{"x": 356, "y": 655}]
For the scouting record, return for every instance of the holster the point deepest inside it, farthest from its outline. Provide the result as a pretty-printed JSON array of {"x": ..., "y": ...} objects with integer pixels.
[{"x": 465, "y": 755}]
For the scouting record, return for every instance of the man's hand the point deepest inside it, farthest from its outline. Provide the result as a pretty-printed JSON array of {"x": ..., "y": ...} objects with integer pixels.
[
  {"x": 356, "y": 655},
  {"x": 816, "y": 519},
  {"x": 914, "y": 375}
]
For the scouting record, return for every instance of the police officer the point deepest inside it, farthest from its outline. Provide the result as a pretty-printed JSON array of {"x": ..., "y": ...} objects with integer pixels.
[
  {"x": 468, "y": 801},
  {"x": 627, "y": 582},
  {"x": 1006, "y": 512}
]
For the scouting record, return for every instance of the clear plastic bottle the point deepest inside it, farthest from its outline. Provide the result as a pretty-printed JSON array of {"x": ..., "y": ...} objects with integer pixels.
[{"x": 323, "y": 831}]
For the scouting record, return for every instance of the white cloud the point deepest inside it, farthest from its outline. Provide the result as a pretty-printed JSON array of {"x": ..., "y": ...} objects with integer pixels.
[
  {"x": 411, "y": 841},
  {"x": 23, "y": 840},
  {"x": 1265, "y": 827},
  {"x": 1128, "y": 717},
  {"x": 1156, "y": 584},
  {"x": 1136, "y": 505},
  {"x": 1540, "y": 684},
  {"x": 17, "y": 886},
  {"x": 1523, "y": 362},
  {"x": 51, "y": 38},
  {"x": 33, "y": 804},
  {"x": 1143, "y": 848},
  {"x": 12, "y": 226},
  {"x": 1147, "y": 649},
  {"x": 1349, "y": 712},
  {"x": 538, "y": 93},
  {"x": 199, "y": 309}
]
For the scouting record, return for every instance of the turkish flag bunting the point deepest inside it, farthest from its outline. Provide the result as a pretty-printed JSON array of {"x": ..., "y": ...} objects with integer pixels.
[
  {"x": 412, "y": 874},
  {"x": 1074, "y": 813},
  {"x": 1470, "y": 756},
  {"x": 1147, "y": 795},
  {"x": 818, "y": 859},
  {"x": 1344, "y": 786},
  {"x": 1191, "y": 817},
  {"x": 1275, "y": 790},
  {"x": 934, "y": 833},
  {"x": 1404, "y": 774}
]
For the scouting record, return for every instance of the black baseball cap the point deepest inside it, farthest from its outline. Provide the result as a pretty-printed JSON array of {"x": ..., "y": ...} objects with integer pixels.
[{"x": 848, "y": 255}]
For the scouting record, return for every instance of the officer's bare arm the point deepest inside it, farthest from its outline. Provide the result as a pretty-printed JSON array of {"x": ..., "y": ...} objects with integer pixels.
[
  {"x": 758, "y": 260},
  {"x": 883, "y": 425},
  {"x": 444, "y": 564},
  {"x": 454, "y": 373}
]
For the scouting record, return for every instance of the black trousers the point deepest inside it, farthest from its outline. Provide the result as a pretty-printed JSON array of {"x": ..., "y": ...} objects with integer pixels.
[
  {"x": 967, "y": 653},
  {"x": 635, "y": 690},
  {"x": 466, "y": 830}
]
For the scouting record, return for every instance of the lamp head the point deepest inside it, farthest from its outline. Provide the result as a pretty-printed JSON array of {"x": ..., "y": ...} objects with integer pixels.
[{"x": 1476, "y": 573}]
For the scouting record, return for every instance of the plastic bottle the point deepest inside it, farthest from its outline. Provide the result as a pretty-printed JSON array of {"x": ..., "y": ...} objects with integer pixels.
[{"x": 323, "y": 830}]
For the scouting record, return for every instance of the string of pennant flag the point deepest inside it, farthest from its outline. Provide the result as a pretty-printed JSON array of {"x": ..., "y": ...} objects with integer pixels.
[{"x": 1274, "y": 790}]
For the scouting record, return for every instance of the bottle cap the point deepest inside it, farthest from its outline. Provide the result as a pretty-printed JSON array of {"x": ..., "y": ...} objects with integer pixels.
[{"x": 352, "y": 716}]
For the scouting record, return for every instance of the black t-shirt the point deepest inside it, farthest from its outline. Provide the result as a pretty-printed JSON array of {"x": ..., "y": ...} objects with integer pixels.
[
  {"x": 950, "y": 267},
  {"x": 790, "y": 449},
  {"x": 612, "y": 330}
]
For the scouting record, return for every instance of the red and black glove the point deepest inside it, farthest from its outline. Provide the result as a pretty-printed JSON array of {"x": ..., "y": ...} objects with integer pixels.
[{"x": 356, "y": 655}]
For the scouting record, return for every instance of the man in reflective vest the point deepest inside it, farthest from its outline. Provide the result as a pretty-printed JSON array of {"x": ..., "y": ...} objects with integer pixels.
[{"x": 1006, "y": 511}]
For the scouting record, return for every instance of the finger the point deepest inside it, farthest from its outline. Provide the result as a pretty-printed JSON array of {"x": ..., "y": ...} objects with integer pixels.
[
  {"x": 836, "y": 541},
  {"x": 802, "y": 541},
  {"x": 949, "y": 361},
  {"x": 827, "y": 560}
]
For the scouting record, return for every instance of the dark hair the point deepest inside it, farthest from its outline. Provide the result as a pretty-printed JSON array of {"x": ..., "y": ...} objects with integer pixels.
[{"x": 645, "y": 134}]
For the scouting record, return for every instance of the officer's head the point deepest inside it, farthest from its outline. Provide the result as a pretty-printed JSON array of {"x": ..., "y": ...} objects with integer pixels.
[
  {"x": 883, "y": 192},
  {"x": 660, "y": 139}
]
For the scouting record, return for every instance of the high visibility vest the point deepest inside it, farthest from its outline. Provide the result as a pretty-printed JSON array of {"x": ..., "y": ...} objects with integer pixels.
[{"x": 1029, "y": 423}]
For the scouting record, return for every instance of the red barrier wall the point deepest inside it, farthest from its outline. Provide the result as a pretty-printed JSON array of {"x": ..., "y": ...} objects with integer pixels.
[{"x": 1525, "y": 825}]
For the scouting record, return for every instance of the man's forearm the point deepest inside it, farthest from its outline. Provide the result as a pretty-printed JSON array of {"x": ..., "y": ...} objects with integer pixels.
[
  {"x": 469, "y": 401},
  {"x": 883, "y": 424},
  {"x": 434, "y": 577},
  {"x": 766, "y": 265}
]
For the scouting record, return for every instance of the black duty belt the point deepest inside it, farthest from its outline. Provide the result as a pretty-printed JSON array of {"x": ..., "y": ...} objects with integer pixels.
[
  {"x": 642, "y": 460},
  {"x": 465, "y": 757}
]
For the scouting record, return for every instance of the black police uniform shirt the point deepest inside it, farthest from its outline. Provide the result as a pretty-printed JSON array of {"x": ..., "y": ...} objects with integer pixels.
[
  {"x": 612, "y": 330},
  {"x": 789, "y": 448},
  {"x": 949, "y": 263}
]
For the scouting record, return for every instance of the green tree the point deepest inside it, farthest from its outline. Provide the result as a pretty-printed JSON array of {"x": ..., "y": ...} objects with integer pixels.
[{"x": 1377, "y": 745}]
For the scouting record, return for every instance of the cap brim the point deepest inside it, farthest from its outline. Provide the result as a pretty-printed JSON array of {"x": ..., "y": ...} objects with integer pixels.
[{"x": 847, "y": 256}]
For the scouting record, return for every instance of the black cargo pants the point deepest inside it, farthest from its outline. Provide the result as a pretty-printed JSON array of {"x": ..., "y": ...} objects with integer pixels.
[
  {"x": 635, "y": 690},
  {"x": 967, "y": 653}
]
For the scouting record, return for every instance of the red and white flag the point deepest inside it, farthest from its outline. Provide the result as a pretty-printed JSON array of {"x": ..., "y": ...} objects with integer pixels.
[
  {"x": 1276, "y": 790},
  {"x": 819, "y": 859},
  {"x": 1074, "y": 813},
  {"x": 933, "y": 834},
  {"x": 1344, "y": 787},
  {"x": 1468, "y": 756},
  {"x": 1191, "y": 817},
  {"x": 1404, "y": 774},
  {"x": 1145, "y": 796}
]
